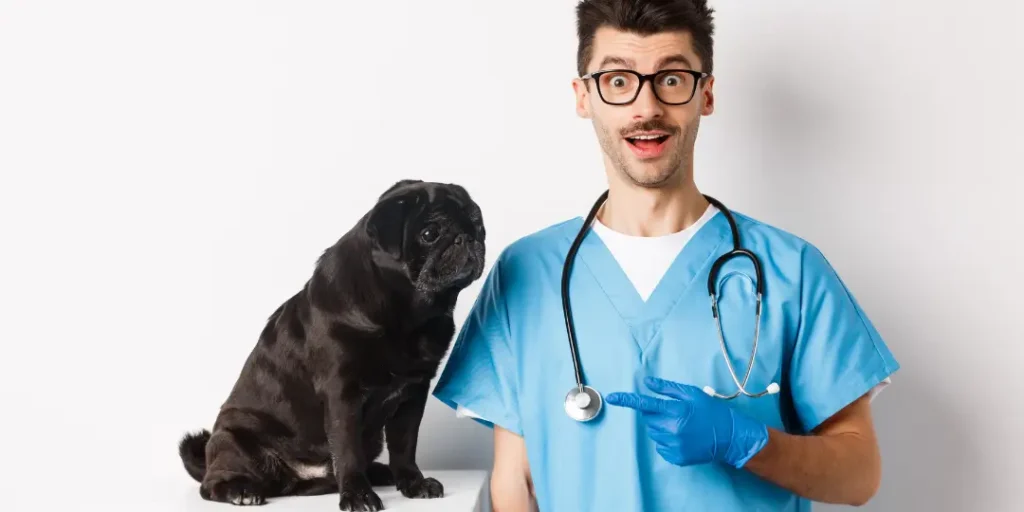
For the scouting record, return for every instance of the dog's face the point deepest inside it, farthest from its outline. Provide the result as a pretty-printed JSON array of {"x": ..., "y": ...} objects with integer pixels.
[{"x": 432, "y": 232}]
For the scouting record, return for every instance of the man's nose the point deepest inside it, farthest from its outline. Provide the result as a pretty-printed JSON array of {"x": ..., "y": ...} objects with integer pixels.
[{"x": 646, "y": 104}]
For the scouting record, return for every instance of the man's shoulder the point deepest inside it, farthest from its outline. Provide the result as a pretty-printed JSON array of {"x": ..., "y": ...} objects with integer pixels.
[
  {"x": 787, "y": 250},
  {"x": 551, "y": 241},
  {"x": 766, "y": 236}
]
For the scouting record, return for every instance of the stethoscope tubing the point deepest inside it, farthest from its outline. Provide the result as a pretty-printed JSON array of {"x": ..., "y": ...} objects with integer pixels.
[
  {"x": 566, "y": 271},
  {"x": 737, "y": 251}
]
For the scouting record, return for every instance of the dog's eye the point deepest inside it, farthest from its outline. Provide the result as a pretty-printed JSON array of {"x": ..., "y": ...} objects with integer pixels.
[{"x": 429, "y": 235}]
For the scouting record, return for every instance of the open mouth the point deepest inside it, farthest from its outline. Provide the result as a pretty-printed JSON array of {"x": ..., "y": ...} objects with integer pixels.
[{"x": 647, "y": 145}]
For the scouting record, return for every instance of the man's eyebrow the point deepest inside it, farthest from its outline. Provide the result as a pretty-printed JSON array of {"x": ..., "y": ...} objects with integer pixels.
[
  {"x": 611, "y": 59},
  {"x": 628, "y": 63},
  {"x": 677, "y": 58}
]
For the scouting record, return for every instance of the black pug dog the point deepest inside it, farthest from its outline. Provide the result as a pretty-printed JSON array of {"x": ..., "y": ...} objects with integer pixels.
[{"x": 348, "y": 360}]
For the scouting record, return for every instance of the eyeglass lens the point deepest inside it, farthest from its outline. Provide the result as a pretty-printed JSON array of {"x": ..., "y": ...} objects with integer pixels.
[{"x": 670, "y": 87}]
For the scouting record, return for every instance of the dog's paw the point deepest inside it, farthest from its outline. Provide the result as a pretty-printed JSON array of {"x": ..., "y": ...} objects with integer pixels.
[
  {"x": 245, "y": 497},
  {"x": 421, "y": 488},
  {"x": 237, "y": 491},
  {"x": 364, "y": 499}
]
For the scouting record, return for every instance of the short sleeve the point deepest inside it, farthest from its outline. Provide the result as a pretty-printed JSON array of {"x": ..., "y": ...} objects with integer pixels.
[
  {"x": 480, "y": 374},
  {"x": 838, "y": 355}
]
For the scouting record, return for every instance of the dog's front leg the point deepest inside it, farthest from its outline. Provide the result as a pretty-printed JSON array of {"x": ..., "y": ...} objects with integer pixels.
[
  {"x": 343, "y": 426},
  {"x": 402, "y": 432}
]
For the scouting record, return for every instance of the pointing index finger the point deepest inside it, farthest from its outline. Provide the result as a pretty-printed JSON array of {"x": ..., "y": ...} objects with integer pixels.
[{"x": 636, "y": 401}]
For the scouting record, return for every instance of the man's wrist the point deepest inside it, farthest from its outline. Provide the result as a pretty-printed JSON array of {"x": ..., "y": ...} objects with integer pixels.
[{"x": 749, "y": 437}]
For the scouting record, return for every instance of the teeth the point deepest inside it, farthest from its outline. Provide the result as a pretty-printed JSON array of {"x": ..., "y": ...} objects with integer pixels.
[{"x": 647, "y": 137}]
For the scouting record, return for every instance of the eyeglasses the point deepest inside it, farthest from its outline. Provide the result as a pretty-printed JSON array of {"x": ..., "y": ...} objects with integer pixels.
[{"x": 622, "y": 86}]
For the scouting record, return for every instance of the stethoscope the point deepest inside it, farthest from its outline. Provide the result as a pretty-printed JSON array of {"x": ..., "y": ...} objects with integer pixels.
[{"x": 583, "y": 403}]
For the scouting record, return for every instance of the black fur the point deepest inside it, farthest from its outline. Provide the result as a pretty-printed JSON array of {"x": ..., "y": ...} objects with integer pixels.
[{"x": 348, "y": 360}]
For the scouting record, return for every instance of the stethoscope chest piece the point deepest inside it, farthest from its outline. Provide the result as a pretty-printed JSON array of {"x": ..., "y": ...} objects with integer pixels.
[{"x": 582, "y": 406}]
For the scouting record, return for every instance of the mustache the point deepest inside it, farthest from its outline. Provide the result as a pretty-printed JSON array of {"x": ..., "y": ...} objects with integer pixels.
[{"x": 649, "y": 125}]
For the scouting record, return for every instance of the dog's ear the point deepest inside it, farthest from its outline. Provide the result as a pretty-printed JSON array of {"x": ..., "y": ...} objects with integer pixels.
[
  {"x": 386, "y": 223},
  {"x": 400, "y": 183}
]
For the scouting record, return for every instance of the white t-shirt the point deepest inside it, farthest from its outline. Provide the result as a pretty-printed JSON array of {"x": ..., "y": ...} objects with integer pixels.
[{"x": 646, "y": 259}]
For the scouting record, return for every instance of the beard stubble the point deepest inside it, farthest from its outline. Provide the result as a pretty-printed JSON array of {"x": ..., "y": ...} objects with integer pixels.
[{"x": 668, "y": 166}]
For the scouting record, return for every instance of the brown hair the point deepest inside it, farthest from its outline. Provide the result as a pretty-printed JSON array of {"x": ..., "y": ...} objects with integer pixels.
[{"x": 645, "y": 17}]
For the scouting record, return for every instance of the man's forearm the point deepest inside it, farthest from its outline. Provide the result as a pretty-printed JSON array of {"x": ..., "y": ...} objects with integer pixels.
[
  {"x": 833, "y": 468},
  {"x": 511, "y": 493}
]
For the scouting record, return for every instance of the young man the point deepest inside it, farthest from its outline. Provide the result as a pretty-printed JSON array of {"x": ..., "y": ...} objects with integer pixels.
[{"x": 647, "y": 338}]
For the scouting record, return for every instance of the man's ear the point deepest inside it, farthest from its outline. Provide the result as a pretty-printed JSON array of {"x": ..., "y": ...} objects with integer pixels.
[
  {"x": 708, "y": 106},
  {"x": 579, "y": 88},
  {"x": 385, "y": 224}
]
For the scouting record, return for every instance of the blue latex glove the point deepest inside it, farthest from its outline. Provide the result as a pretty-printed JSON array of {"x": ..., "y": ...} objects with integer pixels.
[{"x": 692, "y": 427}]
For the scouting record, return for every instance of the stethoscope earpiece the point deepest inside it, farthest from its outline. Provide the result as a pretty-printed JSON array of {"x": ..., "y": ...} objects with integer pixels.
[{"x": 770, "y": 390}]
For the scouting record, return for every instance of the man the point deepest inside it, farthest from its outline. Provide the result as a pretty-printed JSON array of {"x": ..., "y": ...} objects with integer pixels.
[{"x": 647, "y": 338}]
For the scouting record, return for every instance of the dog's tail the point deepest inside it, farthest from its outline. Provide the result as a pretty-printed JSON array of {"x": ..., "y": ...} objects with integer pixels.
[{"x": 192, "y": 449}]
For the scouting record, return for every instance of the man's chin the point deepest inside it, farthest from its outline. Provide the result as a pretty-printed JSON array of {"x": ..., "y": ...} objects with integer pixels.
[{"x": 651, "y": 175}]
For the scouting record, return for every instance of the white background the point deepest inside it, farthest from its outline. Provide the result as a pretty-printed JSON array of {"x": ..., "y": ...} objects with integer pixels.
[{"x": 171, "y": 170}]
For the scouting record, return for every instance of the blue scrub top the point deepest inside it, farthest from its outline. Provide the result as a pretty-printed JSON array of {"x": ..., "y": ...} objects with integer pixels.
[{"x": 511, "y": 364}]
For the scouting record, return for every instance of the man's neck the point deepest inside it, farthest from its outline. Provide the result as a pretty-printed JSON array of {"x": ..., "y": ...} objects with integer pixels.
[{"x": 640, "y": 211}]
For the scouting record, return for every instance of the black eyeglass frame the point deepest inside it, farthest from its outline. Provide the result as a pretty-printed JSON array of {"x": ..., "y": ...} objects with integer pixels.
[{"x": 596, "y": 75}]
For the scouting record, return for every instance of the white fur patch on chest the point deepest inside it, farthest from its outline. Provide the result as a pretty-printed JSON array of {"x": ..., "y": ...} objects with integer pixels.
[{"x": 309, "y": 471}]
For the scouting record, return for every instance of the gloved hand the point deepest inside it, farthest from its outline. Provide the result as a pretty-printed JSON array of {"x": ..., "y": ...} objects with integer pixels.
[{"x": 692, "y": 427}]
